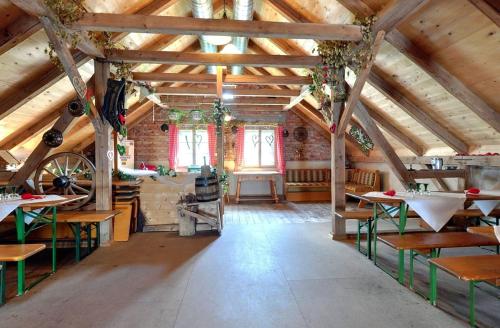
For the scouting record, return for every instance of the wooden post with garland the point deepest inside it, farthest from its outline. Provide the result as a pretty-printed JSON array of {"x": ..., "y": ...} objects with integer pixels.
[
  {"x": 219, "y": 122},
  {"x": 337, "y": 96},
  {"x": 104, "y": 151}
]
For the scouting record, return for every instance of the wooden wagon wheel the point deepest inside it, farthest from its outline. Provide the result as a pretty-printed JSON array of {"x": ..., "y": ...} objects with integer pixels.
[{"x": 66, "y": 174}]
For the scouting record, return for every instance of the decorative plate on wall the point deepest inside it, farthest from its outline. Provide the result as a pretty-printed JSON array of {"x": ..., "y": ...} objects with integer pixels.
[{"x": 300, "y": 134}]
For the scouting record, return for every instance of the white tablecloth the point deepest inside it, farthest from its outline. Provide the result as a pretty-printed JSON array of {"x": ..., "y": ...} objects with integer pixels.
[
  {"x": 435, "y": 209},
  {"x": 497, "y": 231},
  {"x": 7, "y": 207},
  {"x": 486, "y": 206}
]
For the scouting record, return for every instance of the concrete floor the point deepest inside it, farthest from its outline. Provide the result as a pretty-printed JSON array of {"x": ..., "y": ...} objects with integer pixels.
[{"x": 255, "y": 275}]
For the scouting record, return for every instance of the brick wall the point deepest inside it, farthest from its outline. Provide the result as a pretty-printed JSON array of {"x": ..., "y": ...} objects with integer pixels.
[
  {"x": 315, "y": 148},
  {"x": 151, "y": 144}
]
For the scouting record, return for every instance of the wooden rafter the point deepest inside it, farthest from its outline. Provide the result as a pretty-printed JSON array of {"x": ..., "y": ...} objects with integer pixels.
[
  {"x": 18, "y": 31},
  {"x": 487, "y": 7},
  {"x": 35, "y": 85},
  {"x": 39, "y": 9},
  {"x": 417, "y": 113},
  {"x": 395, "y": 12},
  {"x": 440, "y": 74},
  {"x": 392, "y": 159},
  {"x": 67, "y": 61},
  {"x": 408, "y": 141},
  {"x": 197, "y": 26},
  {"x": 180, "y": 101},
  {"x": 212, "y": 91},
  {"x": 182, "y": 58},
  {"x": 361, "y": 78},
  {"x": 229, "y": 79}
]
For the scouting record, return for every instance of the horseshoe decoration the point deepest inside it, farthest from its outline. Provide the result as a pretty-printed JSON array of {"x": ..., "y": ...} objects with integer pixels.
[{"x": 198, "y": 138}]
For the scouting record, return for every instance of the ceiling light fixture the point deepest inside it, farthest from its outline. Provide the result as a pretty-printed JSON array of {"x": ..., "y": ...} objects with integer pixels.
[{"x": 219, "y": 40}]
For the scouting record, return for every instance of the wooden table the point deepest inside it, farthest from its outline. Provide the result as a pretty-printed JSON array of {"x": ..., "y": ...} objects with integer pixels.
[
  {"x": 269, "y": 176},
  {"x": 47, "y": 215},
  {"x": 472, "y": 269}
]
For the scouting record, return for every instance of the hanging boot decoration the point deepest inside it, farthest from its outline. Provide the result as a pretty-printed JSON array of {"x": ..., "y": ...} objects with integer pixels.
[{"x": 113, "y": 109}]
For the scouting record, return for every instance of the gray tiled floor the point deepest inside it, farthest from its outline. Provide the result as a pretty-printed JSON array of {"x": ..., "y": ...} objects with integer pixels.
[{"x": 254, "y": 275}]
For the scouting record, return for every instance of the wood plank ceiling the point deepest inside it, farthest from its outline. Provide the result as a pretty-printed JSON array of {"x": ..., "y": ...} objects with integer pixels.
[{"x": 452, "y": 82}]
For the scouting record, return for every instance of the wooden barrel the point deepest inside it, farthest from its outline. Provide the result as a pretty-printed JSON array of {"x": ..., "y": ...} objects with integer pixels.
[{"x": 206, "y": 188}]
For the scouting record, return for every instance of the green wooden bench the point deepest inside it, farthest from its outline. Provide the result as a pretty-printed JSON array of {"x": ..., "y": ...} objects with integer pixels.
[
  {"x": 86, "y": 221},
  {"x": 431, "y": 242},
  {"x": 473, "y": 269},
  {"x": 15, "y": 253}
]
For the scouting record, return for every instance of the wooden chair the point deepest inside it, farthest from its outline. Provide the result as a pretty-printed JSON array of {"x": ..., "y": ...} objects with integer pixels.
[
  {"x": 432, "y": 242},
  {"x": 473, "y": 269},
  {"x": 15, "y": 253}
]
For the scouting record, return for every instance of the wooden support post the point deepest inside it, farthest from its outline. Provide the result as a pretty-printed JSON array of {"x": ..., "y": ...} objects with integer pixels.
[
  {"x": 220, "y": 136},
  {"x": 338, "y": 184},
  {"x": 104, "y": 151}
]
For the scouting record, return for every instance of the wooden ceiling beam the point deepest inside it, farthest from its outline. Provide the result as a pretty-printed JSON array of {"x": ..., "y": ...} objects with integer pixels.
[
  {"x": 39, "y": 9},
  {"x": 35, "y": 85},
  {"x": 182, "y": 58},
  {"x": 395, "y": 12},
  {"x": 440, "y": 74},
  {"x": 395, "y": 132},
  {"x": 197, "y": 26},
  {"x": 179, "y": 101},
  {"x": 18, "y": 31},
  {"x": 392, "y": 159},
  {"x": 199, "y": 91},
  {"x": 229, "y": 79},
  {"x": 487, "y": 7},
  {"x": 417, "y": 114}
]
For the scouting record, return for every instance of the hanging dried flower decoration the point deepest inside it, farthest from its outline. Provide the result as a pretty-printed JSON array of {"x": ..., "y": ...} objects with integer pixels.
[{"x": 336, "y": 56}]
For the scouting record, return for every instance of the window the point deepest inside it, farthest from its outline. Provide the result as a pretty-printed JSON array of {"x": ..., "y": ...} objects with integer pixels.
[
  {"x": 193, "y": 148},
  {"x": 259, "y": 150}
]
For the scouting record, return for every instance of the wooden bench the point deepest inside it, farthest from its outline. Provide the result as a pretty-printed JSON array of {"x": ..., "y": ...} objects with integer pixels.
[
  {"x": 303, "y": 185},
  {"x": 473, "y": 269},
  {"x": 15, "y": 253},
  {"x": 361, "y": 180},
  {"x": 432, "y": 241},
  {"x": 364, "y": 217},
  {"x": 85, "y": 219}
]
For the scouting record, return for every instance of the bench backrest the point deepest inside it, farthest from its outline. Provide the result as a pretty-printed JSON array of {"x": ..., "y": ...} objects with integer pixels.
[
  {"x": 308, "y": 175},
  {"x": 364, "y": 177}
]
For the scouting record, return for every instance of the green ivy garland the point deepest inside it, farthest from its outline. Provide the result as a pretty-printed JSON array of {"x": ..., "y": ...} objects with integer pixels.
[
  {"x": 219, "y": 111},
  {"x": 363, "y": 140}
]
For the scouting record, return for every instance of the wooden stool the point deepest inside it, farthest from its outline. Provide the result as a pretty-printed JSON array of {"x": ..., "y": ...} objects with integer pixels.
[{"x": 16, "y": 253}]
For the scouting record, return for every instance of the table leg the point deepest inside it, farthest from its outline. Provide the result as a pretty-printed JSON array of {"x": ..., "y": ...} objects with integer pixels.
[
  {"x": 21, "y": 238},
  {"x": 88, "y": 228},
  {"x": 472, "y": 304},
  {"x": 3, "y": 278},
  {"x": 369, "y": 239},
  {"x": 401, "y": 266},
  {"x": 54, "y": 238},
  {"x": 98, "y": 235},
  {"x": 433, "y": 279},
  {"x": 358, "y": 237},
  {"x": 375, "y": 220},
  {"x": 412, "y": 273},
  {"x": 238, "y": 189},
  {"x": 78, "y": 232}
]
